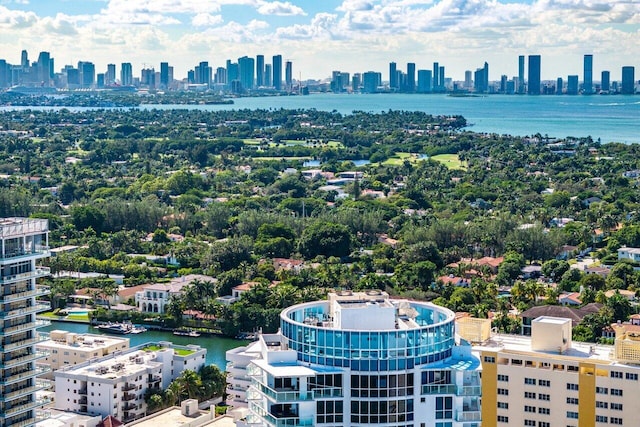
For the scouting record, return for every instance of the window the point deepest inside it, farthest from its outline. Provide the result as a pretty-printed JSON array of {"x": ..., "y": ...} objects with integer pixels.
[
  {"x": 572, "y": 400},
  {"x": 602, "y": 390},
  {"x": 530, "y": 381},
  {"x": 543, "y": 396},
  {"x": 616, "y": 392},
  {"x": 616, "y": 406},
  {"x": 516, "y": 362},
  {"x": 329, "y": 411},
  {"x": 572, "y": 386},
  {"x": 489, "y": 359},
  {"x": 572, "y": 415},
  {"x": 616, "y": 421},
  {"x": 530, "y": 423},
  {"x": 616, "y": 374},
  {"x": 444, "y": 408},
  {"x": 544, "y": 383},
  {"x": 503, "y": 405},
  {"x": 601, "y": 419},
  {"x": 571, "y": 368},
  {"x": 600, "y": 404},
  {"x": 528, "y": 408},
  {"x": 529, "y": 395},
  {"x": 503, "y": 419},
  {"x": 503, "y": 377},
  {"x": 543, "y": 424},
  {"x": 630, "y": 376},
  {"x": 503, "y": 392},
  {"x": 544, "y": 411}
]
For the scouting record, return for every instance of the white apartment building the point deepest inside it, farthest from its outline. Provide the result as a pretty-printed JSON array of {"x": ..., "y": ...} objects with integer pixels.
[
  {"x": 23, "y": 242},
  {"x": 547, "y": 381},
  {"x": 115, "y": 385},
  {"x": 154, "y": 298},
  {"x": 361, "y": 359},
  {"x": 238, "y": 379},
  {"x": 632, "y": 254}
]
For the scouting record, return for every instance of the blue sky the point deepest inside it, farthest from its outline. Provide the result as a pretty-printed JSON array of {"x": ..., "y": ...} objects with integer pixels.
[{"x": 324, "y": 35}]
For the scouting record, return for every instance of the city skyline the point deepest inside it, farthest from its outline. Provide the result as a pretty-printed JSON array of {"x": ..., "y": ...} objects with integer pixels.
[{"x": 319, "y": 37}]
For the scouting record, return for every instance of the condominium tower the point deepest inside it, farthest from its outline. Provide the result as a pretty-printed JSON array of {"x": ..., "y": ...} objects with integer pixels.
[
  {"x": 360, "y": 359},
  {"x": 23, "y": 242}
]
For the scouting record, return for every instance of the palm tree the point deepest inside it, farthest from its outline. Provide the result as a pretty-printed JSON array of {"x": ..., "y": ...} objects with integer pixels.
[{"x": 190, "y": 384}]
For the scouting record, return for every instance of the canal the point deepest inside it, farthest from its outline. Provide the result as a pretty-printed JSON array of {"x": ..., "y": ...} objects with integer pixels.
[{"x": 216, "y": 346}]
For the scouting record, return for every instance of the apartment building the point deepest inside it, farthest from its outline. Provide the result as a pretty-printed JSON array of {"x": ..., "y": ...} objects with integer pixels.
[
  {"x": 23, "y": 242},
  {"x": 64, "y": 348},
  {"x": 546, "y": 380},
  {"x": 362, "y": 358},
  {"x": 115, "y": 385}
]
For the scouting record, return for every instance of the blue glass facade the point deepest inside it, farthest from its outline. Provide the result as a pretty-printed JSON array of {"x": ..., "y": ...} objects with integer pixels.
[{"x": 387, "y": 350}]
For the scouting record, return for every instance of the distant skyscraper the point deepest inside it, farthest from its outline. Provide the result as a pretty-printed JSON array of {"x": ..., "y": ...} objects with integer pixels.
[
  {"x": 436, "y": 76},
  {"x": 110, "y": 75},
  {"x": 371, "y": 81},
  {"x": 468, "y": 79},
  {"x": 100, "y": 80},
  {"x": 336, "y": 81},
  {"x": 148, "y": 77},
  {"x": 534, "y": 75},
  {"x": 246, "y": 68},
  {"x": 587, "y": 85},
  {"x": 260, "y": 70},
  {"x": 481, "y": 79},
  {"x": 268, "y": 75},
  {"x": 503, "y": 83},
  {"x": 411, "y": 77},
  {"x": 233, "y": 71},
  {"x": 356, "y": 82},
  {"x": 277, "y": 72},
  {"x": 44, "y": 69},
  {"x": 521, "y": 74},
  {"x": 220, "y": 76},
  {"x": 393, "y": 76},
  {"x": 87, "y": 74},
  {"x": 203, "y": 73},
  {"x": 605, "y": 81},
  {"x": 559, "y": 86},
  {"x": 424, "y": 81},
  {"x": 4, "y": 73},
  {"x": 126, "y": 74},
  {"x": 164, "y": 75},
  {"x": 288, "y": 75},
  {"x": 441, "y": 78},
  {"x": 24, "y": 60},
  {"x": 628, "y": 80},
  {"x": 572, "y": 85}
]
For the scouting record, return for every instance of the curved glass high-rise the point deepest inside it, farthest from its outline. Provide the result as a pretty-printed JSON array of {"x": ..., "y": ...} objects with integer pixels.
[{"x": 362, "y": 359}]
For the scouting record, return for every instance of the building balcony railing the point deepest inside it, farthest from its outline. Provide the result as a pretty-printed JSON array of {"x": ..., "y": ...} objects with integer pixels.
[
  {"x": 9, "y": 379},
  {"x": 38, "y": 307},
  {"x": 284, "y": 419},
  {"x": 283, "y": 396},
  {"x": 25, "y": 423},
  {"x": 155, "y": 379},
  {"x": 128, "y": 406},
  {"x": 469, "y": 390},
  {"x": 22, "y": 343},
  {"x": 17, "y": 296},
  {"x": 128, "y": 387},
  {"x": 83, "y": 391},
  {"x": 439, "y": 389},
  {"x": 128, "y": 396},
  {"x": 23, "y": 359},
  {"x": 35, "y": 274},
  {"x": 38, "y": 252},
  {"x": 7, "y": 396},
  {"x": 462, "y": 417},
  {"x": 83, "y": 400},
  {"x": 15, "y": 410},
  {"x": 12, "y": 330},
  {"x": 325, "y": 392}
]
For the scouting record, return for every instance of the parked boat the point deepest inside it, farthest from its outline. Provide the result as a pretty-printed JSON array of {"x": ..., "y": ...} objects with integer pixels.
[
  {"x": 121, "y": 328},
  {"x": 186, "y": 333}
]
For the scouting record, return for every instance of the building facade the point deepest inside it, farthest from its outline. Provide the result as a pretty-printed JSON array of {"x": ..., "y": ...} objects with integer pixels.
[
  {"x": 23, "y": 242},
  {"x": 364, "y": 359}
]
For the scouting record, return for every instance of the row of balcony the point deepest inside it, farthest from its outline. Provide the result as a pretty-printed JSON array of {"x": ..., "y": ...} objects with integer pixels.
[
  {"x": 23, "y": 359},
  {"x": 22, "y": 343},
  {"x": 35, "y": 274},
  {"x": 18, "y": 409},
  {"x": 39, "y": 251},
  {"x": 293, "y": 395},
  {"x": 282, "y": 420},
  {"x": 12, "y": 330},
  {"x": 22, "y": 392},
  {"x": 37, "y": 308},
  {"x": 9, "y": 379},
  {"x": 464, "y": 390},
  {"x": 17, "y": 296}
]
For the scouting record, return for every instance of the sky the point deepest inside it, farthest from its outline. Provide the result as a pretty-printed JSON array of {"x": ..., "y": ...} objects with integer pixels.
[{"x": 319, "y": 36}]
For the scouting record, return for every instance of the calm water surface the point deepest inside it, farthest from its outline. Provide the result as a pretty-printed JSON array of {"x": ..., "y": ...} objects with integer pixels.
[{"x": 216, "y": 346}]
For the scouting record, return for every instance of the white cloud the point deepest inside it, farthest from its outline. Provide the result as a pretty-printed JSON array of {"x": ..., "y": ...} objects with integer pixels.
[
  {"x": 16, "y": 18},
  {"x": 279, "y": 8},
  {"x": 206, "y": 20}
]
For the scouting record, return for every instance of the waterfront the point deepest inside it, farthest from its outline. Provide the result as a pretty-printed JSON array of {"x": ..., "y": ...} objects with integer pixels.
[
  {"x": 612, "y": 118},
  {"x": 216, "y": 346}
]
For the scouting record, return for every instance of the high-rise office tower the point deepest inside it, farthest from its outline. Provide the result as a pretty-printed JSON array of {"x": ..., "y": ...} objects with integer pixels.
[
  {"x": 521, "y": 74},
  {"x": 468, "y": 79},
  {"x": 87, "y": 73},
  {"x": 148, "y": 77},
  {"x": 288, "y": 75},
  {"x": 268, "y": 75},
  {"x": 164, "y": 75},
  {"x": 534, "y": 75},
  {"x": 277, "y": 72},
  {"x": 110, "y": 75},
  {"x": 370, "y": 81},
  {"x": 393, "y": 76},
  {"x": 628, "y": 80},
  {"x": 44, "y": 68},
  {"x": 233, "y": 71},
  {"x": 220, "y": 76},
  {"x": 246, "y": 68},
  {"x": 441, "y": 78},
  {"x": 203, "y": 73},
  {"x": 260, "y": 70},
  {"x": 559, "y": 86},
  {"x": 572, "y": 85},
  {"x": 411, "y": 77},
  {"x": 356, "y": 82},
  {"x": 503, "y": 83},
  {"x": 24, "y": 60},
  {"x": 126, "y": 74},
  {"x": 424, "y": 81},
  {"x": 436, "y": 76},
  {"x": 4, "y": 73},
  {"x": 605, "y": 81},
  {"x": 587, "y": 84},
  {"x": 23, "y": 242}
]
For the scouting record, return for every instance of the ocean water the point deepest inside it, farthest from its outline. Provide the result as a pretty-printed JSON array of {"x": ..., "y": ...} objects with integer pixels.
[{"x": 610, "y": 118}]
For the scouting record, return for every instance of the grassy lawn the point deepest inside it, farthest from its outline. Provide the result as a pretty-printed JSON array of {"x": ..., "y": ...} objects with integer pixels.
[
  {"x": 178, "y": 351},
  {"x": 152, "y": 348},
  {"x": 252, "y": 141},
  {"x": 282, "y": 158},
  {"x": 400, "y": 157},
  {"x": 71, "y": 317},
  {"x": 451, "y": 161}
]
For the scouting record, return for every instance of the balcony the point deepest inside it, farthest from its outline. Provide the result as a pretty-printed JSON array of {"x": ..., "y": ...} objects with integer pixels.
[
  {"x": 83, "y": 391},
  {"x": 129, "y": 406},
  {"x": 25, "y": 294},
  {"x": 18, "y": 255},
  {"x": 12, "y": 330},
  {"x": 128, "y": 387},
  {"x": 325, "y": 392},
  {"x": 22, "y": 343},
  {"x": 24, "y": 423},
  {"x": 83, "y": 400},
  {"x": 9, "y": 379},
  {"x": 283, "y": 396},
  {"x": 22, "y": 360},
  {"x": 469, "y": 390},
  {"x": 439, "y": 389},
  {"x": 155, "y": 379},
  {"x": 15, "y": 410},
  {"x": 128, "y": 396},
  {"x": 467, "y": 416},
  {"x": 38, "y": 307},
  {"x": 21, "y": 392},
  {"x": 35, "y": 274}
]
